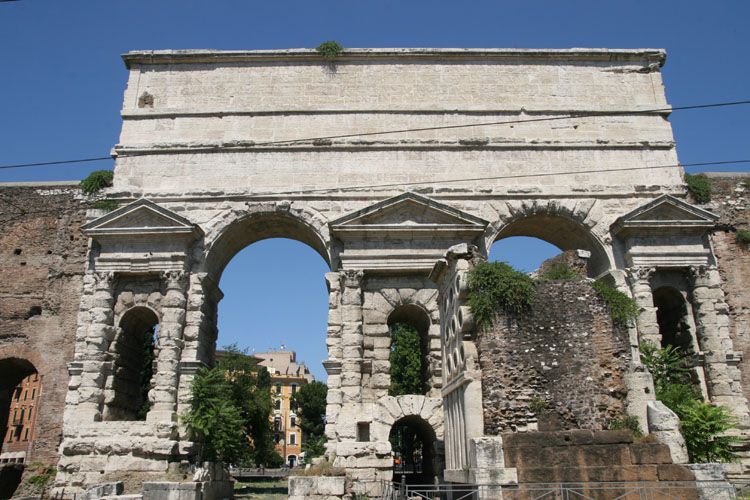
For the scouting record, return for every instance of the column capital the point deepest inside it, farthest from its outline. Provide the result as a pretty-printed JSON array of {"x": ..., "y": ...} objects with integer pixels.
[
  {"x": 104, "y": 280},
  {"x": 175, "y": 280},
  {"x": 352, "y": 277},
  {"x": 639, "y": 274}
]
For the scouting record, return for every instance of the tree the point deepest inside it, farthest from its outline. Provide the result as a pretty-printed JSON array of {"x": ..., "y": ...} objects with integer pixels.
[
  {"x": 230, "y": 411},
  {"x": 405, "y": 360},
  {"x": 214, "y": 421},
  {"x": 310, "y": 404},
  {"x": 251, "y": 393}
]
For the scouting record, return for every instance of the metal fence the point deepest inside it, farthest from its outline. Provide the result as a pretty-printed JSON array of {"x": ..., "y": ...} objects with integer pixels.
[{"x": 566, "y": 491}]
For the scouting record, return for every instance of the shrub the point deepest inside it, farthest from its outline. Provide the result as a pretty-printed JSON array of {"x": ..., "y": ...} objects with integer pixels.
[
  {"x": 699, "y": 187},
  {"x": 538, "y": 405},
  {"x": 702, "y": 425},
  {"x": 96, "y": 181},
  {"x": 626, "y": 423},
  {"x": 742, "y": 236},
  {"x": 496, "y": 285},
  {"x": 560, "y": 272},
  {"x": 622, "y": 308},
  {"x": 330, "y": 49}
]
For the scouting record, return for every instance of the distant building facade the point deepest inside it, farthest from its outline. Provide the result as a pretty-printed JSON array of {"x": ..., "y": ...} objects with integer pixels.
[{"x": 287, "y": 376}]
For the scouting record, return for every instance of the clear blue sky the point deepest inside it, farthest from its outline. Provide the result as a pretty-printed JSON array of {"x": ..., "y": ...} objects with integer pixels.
[{"x": 61, "y": 83}]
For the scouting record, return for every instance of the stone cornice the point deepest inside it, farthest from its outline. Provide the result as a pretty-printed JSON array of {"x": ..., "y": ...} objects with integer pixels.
[
  {"x": 159, "y": 57},
  {"x": 361, "y": 145}
]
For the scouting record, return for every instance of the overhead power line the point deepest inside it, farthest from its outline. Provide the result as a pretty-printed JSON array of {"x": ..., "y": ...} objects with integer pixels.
[{"x": 425, "y": 129}]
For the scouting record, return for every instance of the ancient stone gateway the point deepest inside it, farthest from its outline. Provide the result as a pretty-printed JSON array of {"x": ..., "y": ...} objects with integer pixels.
[{"x": 361, "y": 159}]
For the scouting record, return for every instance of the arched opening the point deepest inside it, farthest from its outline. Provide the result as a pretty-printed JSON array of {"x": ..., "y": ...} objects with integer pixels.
[
  {"x": 409, "y": 327},
  {"x": 273, "y": 311},
  {"x": 524, "y": 253},
  {"x": 413, "y": 447},
  {"x": 20, "y": 393},
  {"x": 134, "y": 352},
  {"x": 672, "y": 317},
  {"x": 558, "y": 230}
]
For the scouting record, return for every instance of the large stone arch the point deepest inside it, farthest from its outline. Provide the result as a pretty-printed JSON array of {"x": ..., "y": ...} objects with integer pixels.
[
  {"x": 569, "y": 226},
  {"x": 234, "y": 230}
]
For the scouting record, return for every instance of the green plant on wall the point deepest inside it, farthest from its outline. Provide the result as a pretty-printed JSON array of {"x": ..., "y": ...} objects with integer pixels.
[
  {"x": 96, "y": 181},
  {"x": 699, "y": 187},
  {"x": 330, "y": 49},
  {"x": 626, "y": 423},
  {"x": 742, "y": 236},
  {"x": 560, "y": 272},
  {"x": 622, "y": 308},
  {"x": 497, "y": 286}
]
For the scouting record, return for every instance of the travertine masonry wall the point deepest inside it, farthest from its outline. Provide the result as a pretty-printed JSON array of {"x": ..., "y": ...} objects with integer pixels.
[
  {"x": 558, "y": 367},
  {"x": 42, "y": 261}
]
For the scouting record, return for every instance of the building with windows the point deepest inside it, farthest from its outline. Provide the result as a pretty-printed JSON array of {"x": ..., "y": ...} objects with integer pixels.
[
  {"x": 18, "y": 421},
  {"x": 286, "y": 377}
]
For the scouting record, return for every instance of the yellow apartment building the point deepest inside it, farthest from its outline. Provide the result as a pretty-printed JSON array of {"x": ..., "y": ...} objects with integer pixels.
[{"x": 287, "y": 376}]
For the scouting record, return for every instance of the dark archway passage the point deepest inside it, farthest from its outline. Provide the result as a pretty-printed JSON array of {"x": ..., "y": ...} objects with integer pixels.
[
  {"x": 413, "y": 443},
  {"x": 672, "y": 316}
]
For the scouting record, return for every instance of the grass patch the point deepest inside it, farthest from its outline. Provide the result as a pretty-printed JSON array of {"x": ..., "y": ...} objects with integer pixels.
[
  {"x": 626, "y": 423},
  {"x": 699, "y": 187},
  {"x": 96, "y": 181},
  {"x": 330, "y": 49},
  {"x": 324, "y": 468},
  {"x": 560, "y": 272},
  {"x": 742, "y": 236}
]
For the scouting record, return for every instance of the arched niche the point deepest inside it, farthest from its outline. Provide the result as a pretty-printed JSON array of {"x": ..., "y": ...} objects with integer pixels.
[
  {"x": 133, "y": 352},
  {"x": 417, "y": 317},
  {"x": 673, "y": 318},
  {"x": 258, "y": 226},
  {"x": 562, "y": 231}
]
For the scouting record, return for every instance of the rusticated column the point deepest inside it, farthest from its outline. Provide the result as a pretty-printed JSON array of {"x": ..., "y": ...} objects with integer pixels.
[
  {"x": 712, "y": 329},
  {"x": 352, "y": 338},
  {"x": 169, "y": 344},
  {"x": 95, "y": 333},
  {"x": 639, "y": 279},
  {"x": 333, "y": 363},
  {"x": 199, "y": 334}
]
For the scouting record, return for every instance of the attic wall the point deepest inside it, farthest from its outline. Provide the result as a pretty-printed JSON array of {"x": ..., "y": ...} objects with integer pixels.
[{"x": 558, "y": 367}]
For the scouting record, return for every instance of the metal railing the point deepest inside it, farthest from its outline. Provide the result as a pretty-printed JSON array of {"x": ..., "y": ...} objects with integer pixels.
[{"x": 687, "y": 490}]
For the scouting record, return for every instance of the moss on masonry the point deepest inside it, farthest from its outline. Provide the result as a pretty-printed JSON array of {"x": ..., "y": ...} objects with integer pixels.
[{"x": 742, "y": 236}]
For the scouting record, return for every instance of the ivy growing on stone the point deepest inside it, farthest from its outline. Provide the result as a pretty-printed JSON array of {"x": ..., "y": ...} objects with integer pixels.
[
  {"x": 699, "y": 187},
  {"x": 96, "y": 181},
  {"x": 330, "y": 49},
  {"x": 497, "y": 286},
  {"x": 622, "y": 308}
]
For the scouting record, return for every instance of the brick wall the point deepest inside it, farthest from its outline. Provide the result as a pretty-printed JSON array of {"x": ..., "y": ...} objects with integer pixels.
[
  {"x": 560, "y": 366},
  {"x": 42, "y": 260}
]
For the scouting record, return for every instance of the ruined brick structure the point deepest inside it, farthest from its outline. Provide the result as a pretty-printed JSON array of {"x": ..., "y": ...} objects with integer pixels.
[
  {"x": 221, "y": 149},
  {"x": 562, "y": 366},
  {"x": 42, "y": 262}
]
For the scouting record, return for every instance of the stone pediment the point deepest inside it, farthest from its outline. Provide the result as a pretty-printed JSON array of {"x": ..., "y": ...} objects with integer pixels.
[
  {"x": 141, "y": 217},
  {"x": 407, "y": 233},
  {"x": 665, "y": 213},
  {"x": 409, "y": 213}
]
